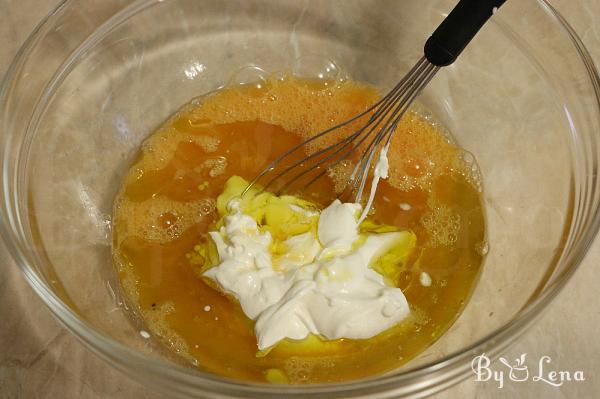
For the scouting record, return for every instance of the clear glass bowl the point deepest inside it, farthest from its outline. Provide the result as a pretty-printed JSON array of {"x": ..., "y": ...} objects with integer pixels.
[{"x": 95, "y": 78}]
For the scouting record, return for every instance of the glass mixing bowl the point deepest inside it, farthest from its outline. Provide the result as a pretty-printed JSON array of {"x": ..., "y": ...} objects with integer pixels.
[{"x": 95, "y": 78}]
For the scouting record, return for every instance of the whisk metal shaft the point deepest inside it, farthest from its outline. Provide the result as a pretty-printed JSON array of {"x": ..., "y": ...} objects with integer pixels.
[{"x": 382, "y": 118}]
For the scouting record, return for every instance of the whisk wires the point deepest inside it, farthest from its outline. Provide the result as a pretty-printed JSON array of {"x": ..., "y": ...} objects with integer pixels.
[{"x": 381, "y": 120}]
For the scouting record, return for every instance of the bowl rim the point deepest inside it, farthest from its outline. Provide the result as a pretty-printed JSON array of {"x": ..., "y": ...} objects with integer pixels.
[{"x": 123, "y": 358}]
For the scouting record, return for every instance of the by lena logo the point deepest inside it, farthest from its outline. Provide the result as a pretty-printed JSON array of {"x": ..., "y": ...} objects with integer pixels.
[{"x": 519, "y": 371}]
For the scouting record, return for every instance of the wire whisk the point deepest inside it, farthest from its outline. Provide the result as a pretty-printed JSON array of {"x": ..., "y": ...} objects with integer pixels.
[{"x": 295, "y": 169}]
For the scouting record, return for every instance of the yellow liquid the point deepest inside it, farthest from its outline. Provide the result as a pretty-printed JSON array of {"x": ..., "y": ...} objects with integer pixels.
[{"x": 167, "y": 202}]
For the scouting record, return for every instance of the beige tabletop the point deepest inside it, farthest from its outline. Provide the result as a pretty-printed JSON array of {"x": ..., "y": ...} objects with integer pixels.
[{"x": 40, "y": 359}]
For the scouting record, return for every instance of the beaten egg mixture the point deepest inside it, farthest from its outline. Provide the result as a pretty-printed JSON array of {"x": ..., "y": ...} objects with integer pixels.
[{"x": 179, "y": 210}]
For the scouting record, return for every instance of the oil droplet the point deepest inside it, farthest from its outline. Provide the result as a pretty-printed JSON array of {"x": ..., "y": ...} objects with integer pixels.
[{"x": 167, "y": 219}]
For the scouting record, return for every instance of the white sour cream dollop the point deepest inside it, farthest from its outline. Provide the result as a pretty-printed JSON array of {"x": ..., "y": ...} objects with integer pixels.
[{"x": 322, "y": 285}]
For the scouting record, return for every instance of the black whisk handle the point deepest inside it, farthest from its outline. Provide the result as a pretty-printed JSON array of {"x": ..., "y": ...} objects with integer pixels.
[{"x": 458, "y": 29}]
